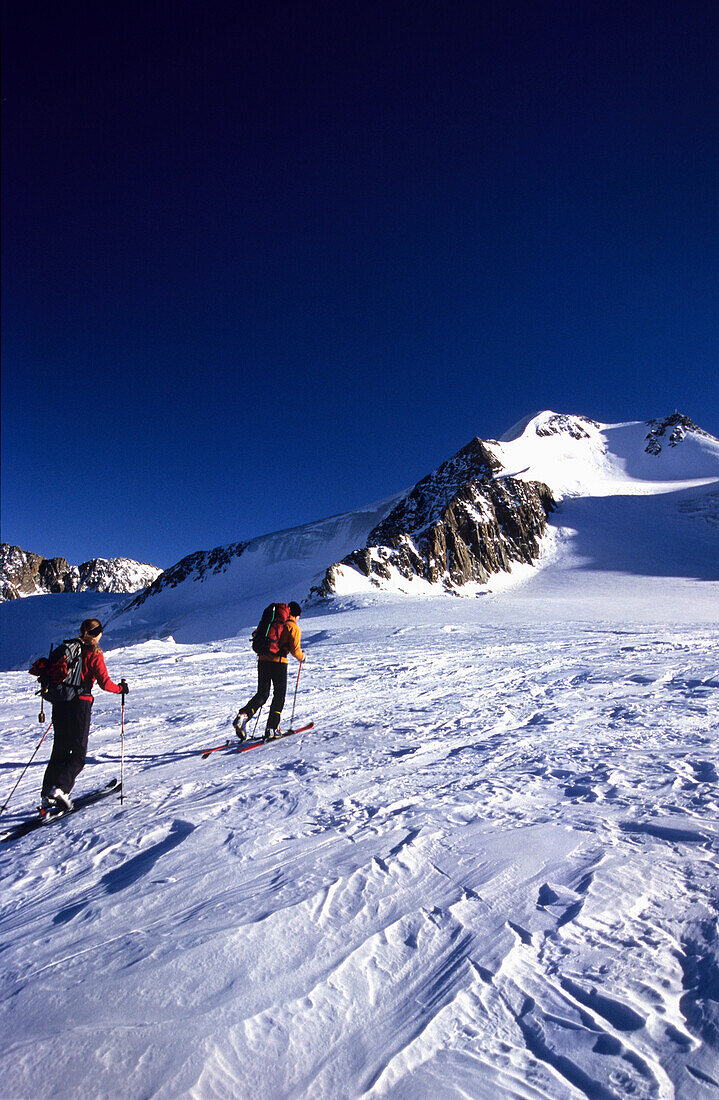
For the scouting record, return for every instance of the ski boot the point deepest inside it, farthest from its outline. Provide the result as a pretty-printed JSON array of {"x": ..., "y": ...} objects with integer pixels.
[
  {"x": 59, "y": 799},
  {"x": 240, "y": 724},
  {"x": 271, "y": 734}
]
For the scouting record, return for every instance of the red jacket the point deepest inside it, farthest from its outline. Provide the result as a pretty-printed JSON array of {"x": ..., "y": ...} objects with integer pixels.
[{"x": 94, "y": 670}]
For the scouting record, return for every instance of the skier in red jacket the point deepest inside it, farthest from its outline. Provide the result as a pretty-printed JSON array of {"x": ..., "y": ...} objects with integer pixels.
[{"x": 71, "y": 717}]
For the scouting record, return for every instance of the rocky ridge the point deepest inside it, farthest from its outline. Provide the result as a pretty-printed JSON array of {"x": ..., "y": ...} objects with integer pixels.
[
  {"x": 23, "y": 573},
  {"x": 675, "y": 428},
  {"x": 459, "y": 525},
  {"x": 197, "y": 567}
]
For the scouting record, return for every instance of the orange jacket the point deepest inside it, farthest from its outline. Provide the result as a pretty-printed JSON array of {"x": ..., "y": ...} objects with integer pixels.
[{"x": 290, "y": 641}]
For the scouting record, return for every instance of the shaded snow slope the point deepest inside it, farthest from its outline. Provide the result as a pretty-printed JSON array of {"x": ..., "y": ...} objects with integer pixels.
[
  {"x": 490, "y": 871},
  {"x": 30, "y": 627},
  {"x": 223, "y": 592}
]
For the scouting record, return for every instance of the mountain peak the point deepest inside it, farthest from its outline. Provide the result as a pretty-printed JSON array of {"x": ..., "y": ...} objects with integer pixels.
[
  {"x": 550, "y": 423},
  {"x": 675, "y": 428}
]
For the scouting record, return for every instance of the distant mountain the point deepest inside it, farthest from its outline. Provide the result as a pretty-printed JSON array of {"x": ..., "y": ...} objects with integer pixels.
[
  {"x": 483, "y": 515},
  {"x": 561, "y": 506},
  {"x": 23, "y": 573}
]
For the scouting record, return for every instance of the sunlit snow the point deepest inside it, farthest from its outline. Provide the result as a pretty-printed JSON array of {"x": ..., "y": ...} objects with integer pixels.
[{"x": 489, "y": 871}]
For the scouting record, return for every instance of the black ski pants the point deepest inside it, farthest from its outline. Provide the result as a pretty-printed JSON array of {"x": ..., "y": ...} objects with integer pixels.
[
  {"x": 71, "y": 725},
  {"x": 271, "y": 676}
]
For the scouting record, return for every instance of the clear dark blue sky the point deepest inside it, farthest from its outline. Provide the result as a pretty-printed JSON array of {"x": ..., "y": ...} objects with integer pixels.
[{"x": 268, "y": 262}]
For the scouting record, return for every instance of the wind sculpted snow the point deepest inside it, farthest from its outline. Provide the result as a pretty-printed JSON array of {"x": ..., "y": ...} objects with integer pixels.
[{"x": 489, "y": 871}]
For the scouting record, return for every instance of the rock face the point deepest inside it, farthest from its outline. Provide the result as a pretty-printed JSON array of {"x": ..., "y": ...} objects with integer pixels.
[
  {"x": 27, "y": 574},
  {"x": 672, "y": 430},
  {"x": 563, "y": 424},
  {"x": 459, "y": 525},
  {"x": 197, "y": 567}
]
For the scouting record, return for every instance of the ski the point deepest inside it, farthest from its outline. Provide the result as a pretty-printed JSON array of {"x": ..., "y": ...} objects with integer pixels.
[
  {"x": 208, "y": 752},
  {"x": 287, "y": 733},
  {"x": 47, "y": 817},
  {"x": 242, "y": 746}
]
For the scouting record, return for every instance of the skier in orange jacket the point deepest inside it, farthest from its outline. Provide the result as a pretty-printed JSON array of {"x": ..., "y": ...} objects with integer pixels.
[{"x": 272, "y": 675}]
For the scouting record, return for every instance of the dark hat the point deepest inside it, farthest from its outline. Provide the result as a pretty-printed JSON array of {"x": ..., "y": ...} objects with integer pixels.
[
  {"x": 295, "y": 608},
  {"x": 92, "y": 627}
]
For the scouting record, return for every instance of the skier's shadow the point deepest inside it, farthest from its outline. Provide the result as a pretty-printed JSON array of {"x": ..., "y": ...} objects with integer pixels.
[
  {"x": 150, "y": 760},
  {"x": 128, "y": 873},
  {"x": 10, "y": 764}
]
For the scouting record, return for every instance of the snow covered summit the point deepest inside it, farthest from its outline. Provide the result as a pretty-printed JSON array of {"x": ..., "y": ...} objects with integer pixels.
[{"x": 577, "y": 456}]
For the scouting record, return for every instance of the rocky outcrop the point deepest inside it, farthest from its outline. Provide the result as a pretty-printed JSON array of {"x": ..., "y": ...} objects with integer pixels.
[
  {"x": 27, "y": 574},
  {"x": 563, "y": 424},
  {"x": 459, "y": 525},
  {"x": 674, "y": 428},
  {"x": 197, "y": 567}
]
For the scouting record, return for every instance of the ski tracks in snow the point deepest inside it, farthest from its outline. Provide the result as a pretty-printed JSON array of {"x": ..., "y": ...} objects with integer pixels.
[{"x": 490, "y": 870}]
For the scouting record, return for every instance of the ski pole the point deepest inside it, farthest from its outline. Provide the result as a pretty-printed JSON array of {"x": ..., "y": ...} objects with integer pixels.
[
  {"x": 257, "y": 722},
  {"x": 12, "y": 792},
  {"x": 294, "y": 701},
  {"x": 122, "y": 745}
]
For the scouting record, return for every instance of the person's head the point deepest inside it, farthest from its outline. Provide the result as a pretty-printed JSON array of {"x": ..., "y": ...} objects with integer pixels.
[
  {"x": 295, "y": 609},
  {"x": 91, "y": 631}
]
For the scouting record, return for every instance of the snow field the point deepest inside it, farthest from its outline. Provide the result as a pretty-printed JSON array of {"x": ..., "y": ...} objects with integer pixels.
[{"x": 489, "y": 871}]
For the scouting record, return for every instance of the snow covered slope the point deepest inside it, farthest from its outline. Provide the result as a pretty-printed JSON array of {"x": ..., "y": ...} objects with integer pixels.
[
  {"x": 577, "y": 456},
  {"x": 490, "y": 871},
  {"x": 217, "y": 593},
  {"x": 638, "y": 518}
]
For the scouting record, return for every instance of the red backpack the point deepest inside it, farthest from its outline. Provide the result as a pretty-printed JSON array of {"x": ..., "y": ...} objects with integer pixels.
[{"x": 266, "y": 636}]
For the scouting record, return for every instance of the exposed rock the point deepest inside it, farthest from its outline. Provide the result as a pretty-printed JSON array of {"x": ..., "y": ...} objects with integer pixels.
[
  {"x": 28, "y": 574},
  {"x": 460, "y": 524},
  {"x": 677, "y": 425},
  {"x": 20, "y": 572},
  {"x": 55, "y": 575},
  {"x": 560, "y": 423}
]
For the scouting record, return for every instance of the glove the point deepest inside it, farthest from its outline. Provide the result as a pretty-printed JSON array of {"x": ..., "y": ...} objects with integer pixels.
[
  {"x": 304, "y": 658},
  {"x": 124, "y": 689}
]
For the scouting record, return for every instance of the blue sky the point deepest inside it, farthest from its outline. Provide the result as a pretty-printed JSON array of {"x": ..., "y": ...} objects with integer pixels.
[{"x": 267, "y": 262}]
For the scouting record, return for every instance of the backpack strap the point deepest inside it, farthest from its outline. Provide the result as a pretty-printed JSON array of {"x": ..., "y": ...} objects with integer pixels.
[{"x": 73, "y": 656}]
